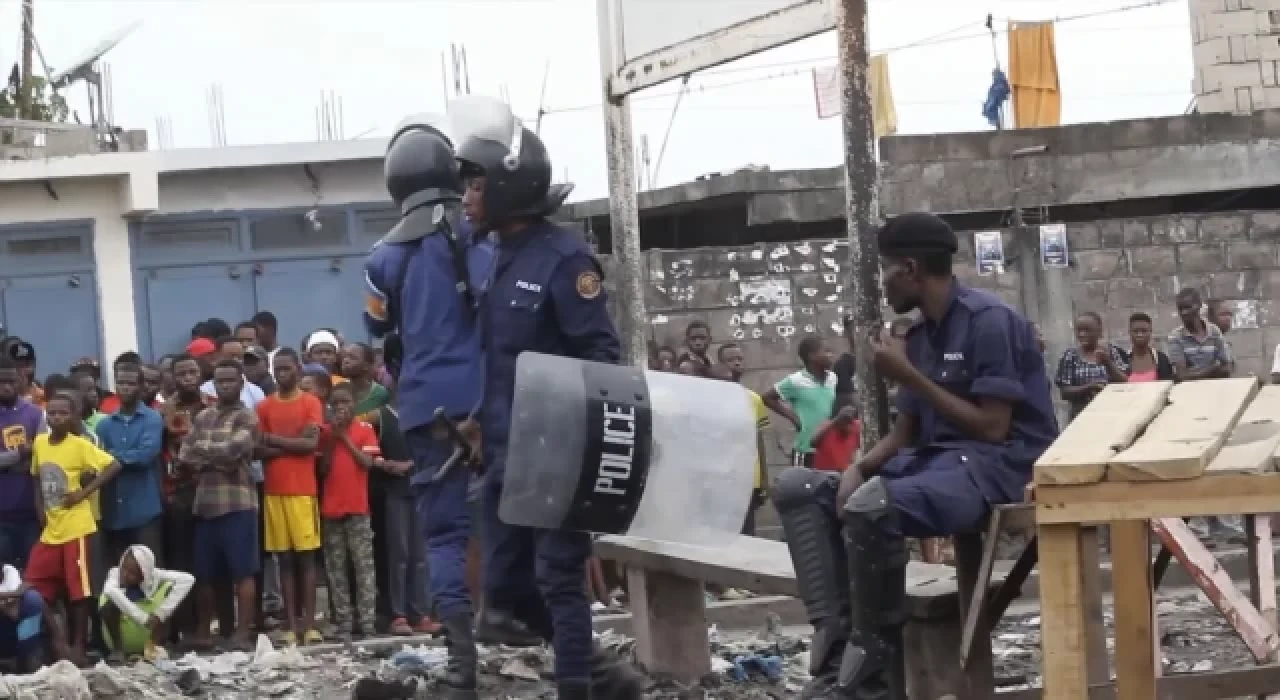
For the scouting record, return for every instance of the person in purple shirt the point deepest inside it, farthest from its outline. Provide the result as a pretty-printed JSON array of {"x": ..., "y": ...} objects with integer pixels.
[{"x": 20, "y": 422}]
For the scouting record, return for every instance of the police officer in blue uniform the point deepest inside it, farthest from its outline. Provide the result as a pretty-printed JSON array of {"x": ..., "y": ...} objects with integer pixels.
[
  {"x": 544, "y": 295},
  {"x": 974, "y": 414},
  {"x": 423, "y": 278}
]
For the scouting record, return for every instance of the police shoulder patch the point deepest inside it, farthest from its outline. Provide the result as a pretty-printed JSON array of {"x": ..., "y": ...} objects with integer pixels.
[{"x": 588, "y": 284}]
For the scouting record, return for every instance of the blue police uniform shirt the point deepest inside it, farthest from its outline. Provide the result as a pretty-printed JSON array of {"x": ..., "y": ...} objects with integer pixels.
[
  {"x": 546, "y": 296},
  {"x": 983, "y": 348},
  {"x": 443, "y": 361}
]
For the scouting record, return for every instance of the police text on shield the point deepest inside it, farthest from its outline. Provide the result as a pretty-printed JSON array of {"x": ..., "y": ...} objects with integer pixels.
[{"x": 618, "y": 451}]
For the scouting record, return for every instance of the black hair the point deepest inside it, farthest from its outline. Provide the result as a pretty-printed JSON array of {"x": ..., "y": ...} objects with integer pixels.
[
  {"x": 201, "y": 330},
  {"x": 266, "y": 319},
  {"x": 697, "y": 323},
  {"x": 366, "y": 351},
  {"x": 320, "y": 377},
  {"x": 228, "y": 363},
  {"x": 58, "y": 382},
  {"x": 1189, "y": 294},
  {"x": 127, "y": 358},
  {"x": 808, "y": 345},
  {"x": 1091, "y": 314},
  {"x": 1140, "y": 316},
  {"x": 183, "y": 357},
  {"x": 224, "y": 340},
  {"x": 218, "y": 328},
  {"x": 726, "y": 348},
  {"x": 289, "y": 353},
  {"x": 247, "y": 324},
  {"x": 84, "y": 372},
  {"x": 67, "y": 395},
  {"x": 344, "y": 387}
]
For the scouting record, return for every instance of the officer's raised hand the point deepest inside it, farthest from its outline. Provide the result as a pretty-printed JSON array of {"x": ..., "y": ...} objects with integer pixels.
[{"x": 891, "y": 357}]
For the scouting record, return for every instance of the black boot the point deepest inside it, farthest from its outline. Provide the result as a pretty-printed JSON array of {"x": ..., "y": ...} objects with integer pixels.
[
  {"x": 576, "y": 690},
  {"x": 873, "y": 667},
  {"x": 499, "y": 627},
  {"x": 613, "y": 678},
  {"x": 459, "y": 679}
]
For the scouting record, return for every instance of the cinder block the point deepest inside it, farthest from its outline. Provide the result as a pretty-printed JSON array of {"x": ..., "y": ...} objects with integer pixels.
[{"x": 1152, "y": 261}]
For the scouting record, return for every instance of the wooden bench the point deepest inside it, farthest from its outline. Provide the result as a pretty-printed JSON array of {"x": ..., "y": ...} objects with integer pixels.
[{"x": 668, "y": 606}]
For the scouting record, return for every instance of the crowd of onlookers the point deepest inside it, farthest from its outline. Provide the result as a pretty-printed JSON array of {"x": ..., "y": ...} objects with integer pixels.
[
  {"x": 1198, "y": 348},
  {"x": 200, "y": 500}
]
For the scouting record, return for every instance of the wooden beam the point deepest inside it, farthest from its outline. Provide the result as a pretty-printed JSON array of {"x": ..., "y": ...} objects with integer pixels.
[
  {"x": 1252, "y": 445},
  {"x": 1254, "y": 631},
  {"x": 1137, "y": 648},
  {"x": 1181, "y": 441},
  {"x": 1122, "y": 500},
  {"x": 1108, "y": 425},
  {"x": 1062, "y": 611},
  {"x": 1262, "y": 573},
  {"x": 670, "y": 618},
  {"x": 1233, "y": 683}
]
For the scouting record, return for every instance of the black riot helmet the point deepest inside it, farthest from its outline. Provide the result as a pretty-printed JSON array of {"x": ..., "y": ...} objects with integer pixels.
[
  {"x": 493, "y": 143},
  {"x": 420, "y": 166}
]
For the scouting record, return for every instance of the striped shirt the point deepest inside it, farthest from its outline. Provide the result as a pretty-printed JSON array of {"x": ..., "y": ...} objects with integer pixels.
[{"x": 1196, "y": 353}]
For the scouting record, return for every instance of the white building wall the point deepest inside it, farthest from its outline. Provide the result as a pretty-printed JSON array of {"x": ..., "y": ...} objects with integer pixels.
[{"x": 113, "y": 190}]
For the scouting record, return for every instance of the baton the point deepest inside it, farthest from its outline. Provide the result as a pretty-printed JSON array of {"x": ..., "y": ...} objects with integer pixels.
[{"x": 461, "y": 448}]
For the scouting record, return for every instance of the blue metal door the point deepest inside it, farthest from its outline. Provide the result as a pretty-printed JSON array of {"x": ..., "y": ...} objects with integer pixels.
[
  {"x": 58, "y": 314},
  {"x": 309, "y": 294},
  {"x": 180, "y": 297}
]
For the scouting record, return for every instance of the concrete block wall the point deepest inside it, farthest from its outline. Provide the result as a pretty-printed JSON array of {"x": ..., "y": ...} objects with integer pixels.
[
  {"x": 1236, "y": 51},
  {"x": 1122, "y": 266}
]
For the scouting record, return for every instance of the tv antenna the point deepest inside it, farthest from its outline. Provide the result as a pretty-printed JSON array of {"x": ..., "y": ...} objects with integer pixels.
[
  {"x": 97, "y": 80},
  {"x": 542, "y": 99}
]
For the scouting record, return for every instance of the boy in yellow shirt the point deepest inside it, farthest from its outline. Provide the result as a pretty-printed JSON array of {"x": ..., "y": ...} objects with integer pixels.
[{"x": 69, "y": 468}]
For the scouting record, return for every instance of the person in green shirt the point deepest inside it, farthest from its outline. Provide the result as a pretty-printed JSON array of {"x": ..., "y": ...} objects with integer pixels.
[
  {"x": 805, "y": 397},
  {"x": 358, "y": 362}
]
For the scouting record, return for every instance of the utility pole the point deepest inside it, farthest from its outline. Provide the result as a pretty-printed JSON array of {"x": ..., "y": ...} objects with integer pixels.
[
  {"x": 28, "y": 58},
  {"x": 862, "y": 212},
  {"x": 624, "y": 216}
]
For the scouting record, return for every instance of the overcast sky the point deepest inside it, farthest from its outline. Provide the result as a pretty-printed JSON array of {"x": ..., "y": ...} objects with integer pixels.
[{"x": 274, "y": 58}]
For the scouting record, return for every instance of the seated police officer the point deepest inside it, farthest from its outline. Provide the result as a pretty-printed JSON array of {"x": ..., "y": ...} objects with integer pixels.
[{"x": 974, "y": 414}]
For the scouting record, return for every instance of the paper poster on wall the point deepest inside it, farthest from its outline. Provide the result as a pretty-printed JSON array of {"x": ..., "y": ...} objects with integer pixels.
[
  {"x": 989, "y": 250},
  {"x": 1053, "y": 245}
]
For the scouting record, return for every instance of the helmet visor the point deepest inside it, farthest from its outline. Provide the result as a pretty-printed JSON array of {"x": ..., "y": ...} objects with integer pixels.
[{"x": 477, "y": 121}]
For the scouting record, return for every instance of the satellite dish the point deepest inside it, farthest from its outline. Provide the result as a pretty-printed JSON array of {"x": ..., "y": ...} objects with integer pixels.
[{"x": 82, "y": 67}]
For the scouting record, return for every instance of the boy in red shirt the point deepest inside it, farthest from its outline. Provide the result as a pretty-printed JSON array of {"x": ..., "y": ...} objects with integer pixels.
[
  {"x": 837, "y": 439},
  {"x": 349, "y": 447}
]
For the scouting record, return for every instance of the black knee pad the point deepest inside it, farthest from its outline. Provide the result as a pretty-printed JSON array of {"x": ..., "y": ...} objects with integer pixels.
[{"x": 796, "y": 487}]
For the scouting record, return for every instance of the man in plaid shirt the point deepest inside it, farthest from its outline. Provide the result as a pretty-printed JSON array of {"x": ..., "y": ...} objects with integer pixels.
[{"x": 218, "y": 451}]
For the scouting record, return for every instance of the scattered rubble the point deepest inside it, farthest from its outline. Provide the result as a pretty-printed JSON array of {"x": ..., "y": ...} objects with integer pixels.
[{"x": 765, "y": 664}]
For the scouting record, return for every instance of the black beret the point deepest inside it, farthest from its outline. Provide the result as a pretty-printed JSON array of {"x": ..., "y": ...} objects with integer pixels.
[{"x": 916, "y": 232}]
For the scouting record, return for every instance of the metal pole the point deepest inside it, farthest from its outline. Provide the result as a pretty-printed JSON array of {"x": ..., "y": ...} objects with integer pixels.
[
  {"x": 26, "y": 95},
  {"x": 624, "y": 218},
  {"x": 862, "y": 212}
]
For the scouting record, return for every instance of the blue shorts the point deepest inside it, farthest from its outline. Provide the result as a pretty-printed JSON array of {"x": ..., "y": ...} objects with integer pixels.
[{"x": 226, "y": 547}]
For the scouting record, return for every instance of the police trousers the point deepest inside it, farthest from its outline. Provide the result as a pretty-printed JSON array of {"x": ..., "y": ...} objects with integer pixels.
[
  {"x": 539, "y": 576},
  {"x": 446, "y": 520}
]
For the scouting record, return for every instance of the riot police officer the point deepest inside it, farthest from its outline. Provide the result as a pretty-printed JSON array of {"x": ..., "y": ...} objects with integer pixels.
[
  {"x": 421, "y": 280},
  {"x": 544, "y": 295}
]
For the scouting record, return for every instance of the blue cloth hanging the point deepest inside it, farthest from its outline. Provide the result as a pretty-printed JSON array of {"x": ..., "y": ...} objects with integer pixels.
[{"x": 997, "y": 95}]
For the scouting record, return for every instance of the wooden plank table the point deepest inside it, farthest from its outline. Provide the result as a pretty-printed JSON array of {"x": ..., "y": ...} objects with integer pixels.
[
  {"x": 1062, "y": 512},
  {"x": 1142, "y": 458}
]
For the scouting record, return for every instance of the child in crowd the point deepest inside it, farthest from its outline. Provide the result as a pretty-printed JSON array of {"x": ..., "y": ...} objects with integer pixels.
[
  {"x": 290, "y": 422},
  {"x": 23, "y": 615},
  {"x": 350, "y": 447},
  {"x": 138, "y": 598},
  {"x": 836, "y": 440},
  {"x": 68, "y": 469},
  {"x": 805, "y": 397}
]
